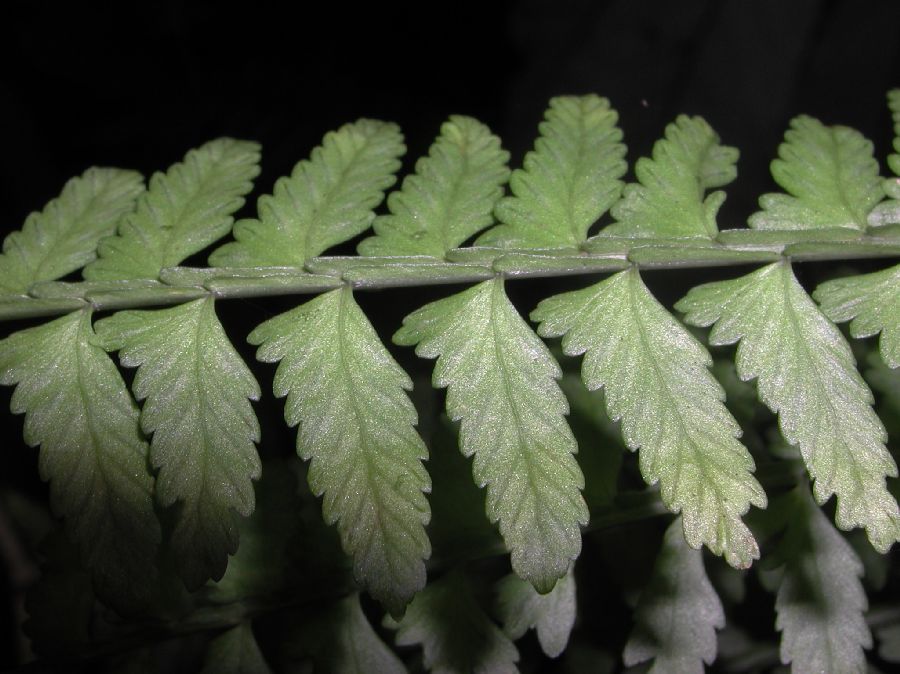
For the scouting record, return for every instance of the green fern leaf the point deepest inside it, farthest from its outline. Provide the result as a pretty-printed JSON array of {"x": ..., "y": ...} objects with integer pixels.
[
  {"x": 78, "y": 409},
  {"x": 326, "y": 200},
  {"x": 830, "y": 175},
  {"x": 678, "y": 613},
  {"x": 450, "y": 197},
  {"x": 892, "y": 185},
  {"x": 340, "y": 640},
  {"x": 501, "y": 385},
  {"x": 657, "y": 381},
  {"x": 235, "y": 651},
  {"x": 552, "y": 615},
  {"x": 64, "y": 236},
  {"x": 356, "y": 426},
  {"x": 569, "y": 180},
  {"x": 820, "y": 600},
  {"x": 195, "y": 387},
  {"x": 184, "y": 210},
  {"x": 873, "y": 302},
  {"x": 669, "y": 201},
  {"x": 893, "y": 97},
  {"x": 888, "y": 212},
  {"x": 455, "y": 634},
  {"x": 807, "y": 374}
]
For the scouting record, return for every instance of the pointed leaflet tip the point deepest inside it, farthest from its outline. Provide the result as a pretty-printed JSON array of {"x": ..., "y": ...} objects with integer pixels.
[
  {"x": 196, "y": 392},
  {"x": 551, "y": 615},
  {"x": 668, "y": 199},
  {"x": 183, "y": 211},
  {"x": 567, "y": 182},
  {"x": 807, "y": 374},
  {"x": 64, "y": 236},
  {"x": 830, "y": 176},
  {"x": 501, "y": 384},
  {"x": 79, "y": 411},
  {"x": 357, "y": 430},
  {"x": 449, "y": 198},
  {"x": 326, "y": 200},
  {"x": 656, "y": 379}
]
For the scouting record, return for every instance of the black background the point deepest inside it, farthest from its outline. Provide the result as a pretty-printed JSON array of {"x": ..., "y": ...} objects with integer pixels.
[{"x": 136, "y": 85}]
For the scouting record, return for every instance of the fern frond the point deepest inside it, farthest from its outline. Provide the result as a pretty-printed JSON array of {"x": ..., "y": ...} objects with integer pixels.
[
  {"x": 820, "y": 601},
  {"x": 356, "y": 426},
  {"x": 455, "y": 634},
  {"x": 656, "y": 380},
  {"x": 567, "y": 182},
  {"x": 64, "y": 236},
  {"x": 449, "y": 198},
  {"x": 551, "y": 615},
  {"x": 678, "y": 613},
  {"x": 501, "y": 382},
  {"x": 235, "y": 651},
  {"x": 184, "y": 210},
  {"x": 892, "y": 186},
  {"x": 669, "y": 201},
  {"x": 340, "y": 640},
  {"x": 888, "y": 212},
  {"x": 806, "y": 373},
  {"x": 830, "y": 175},
  {"x": 195, "y": 389},
  {"x": 326, "y": 200},
  {"x": 79, "y": 411},
  {"x": 872, "y": 301}
]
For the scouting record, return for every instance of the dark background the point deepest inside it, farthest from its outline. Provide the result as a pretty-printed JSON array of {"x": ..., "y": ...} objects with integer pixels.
[{"x": 136, "y": 85}]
